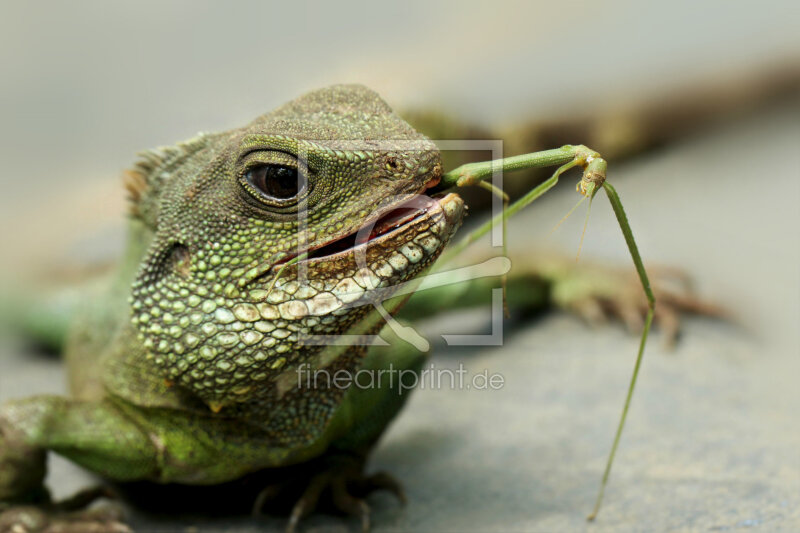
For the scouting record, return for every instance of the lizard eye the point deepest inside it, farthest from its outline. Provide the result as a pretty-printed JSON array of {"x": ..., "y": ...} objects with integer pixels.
[{"x": 277, "y": 182}]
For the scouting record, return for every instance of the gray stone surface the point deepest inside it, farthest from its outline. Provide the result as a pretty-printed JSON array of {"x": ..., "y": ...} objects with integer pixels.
[{"x": 713, "y": 437}]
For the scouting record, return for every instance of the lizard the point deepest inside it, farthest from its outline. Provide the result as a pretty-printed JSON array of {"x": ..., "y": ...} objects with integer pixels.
[{"x": 183, "y": 367}]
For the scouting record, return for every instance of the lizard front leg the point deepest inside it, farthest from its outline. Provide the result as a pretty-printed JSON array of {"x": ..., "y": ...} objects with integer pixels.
[
  {"x": 535, "y": 281},
  {"x": 338, "y": 479},
  {"x": 93, "y": 434}
]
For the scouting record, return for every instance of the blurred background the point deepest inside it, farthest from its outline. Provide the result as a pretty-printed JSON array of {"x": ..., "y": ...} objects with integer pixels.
[
  {"x": 86, "y": 85},
  {"x": 696, "y": 105}
]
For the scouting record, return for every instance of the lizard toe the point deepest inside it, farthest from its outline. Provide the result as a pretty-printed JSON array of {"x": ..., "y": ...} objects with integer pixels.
[
  {"x": 37, "y": 519},
  {"x": 340, "y": 486}
]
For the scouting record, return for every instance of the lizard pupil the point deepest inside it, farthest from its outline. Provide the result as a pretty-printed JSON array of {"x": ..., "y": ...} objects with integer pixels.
[{"x": 276, "y": 181}]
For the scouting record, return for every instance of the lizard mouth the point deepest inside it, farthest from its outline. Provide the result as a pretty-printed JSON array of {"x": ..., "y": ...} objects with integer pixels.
[
  {"x": 395, "y": 219},
  {"x": 384, "y": 225}
]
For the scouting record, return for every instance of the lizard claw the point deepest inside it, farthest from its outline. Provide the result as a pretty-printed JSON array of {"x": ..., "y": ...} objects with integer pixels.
[
  {"x": 66, "y": 516},
  {"x": 599, "y": 294},
  {"x": 308, "y": 501},
  {"x": 37, "y": 519},
  {"x": 344, "y": 501},
  {"x": 383, "y": 481},
  {"x": 341, "y": 485}
]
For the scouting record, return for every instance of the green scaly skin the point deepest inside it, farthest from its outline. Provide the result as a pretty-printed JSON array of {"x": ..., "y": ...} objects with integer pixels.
[{"x": 184, "y": 368}]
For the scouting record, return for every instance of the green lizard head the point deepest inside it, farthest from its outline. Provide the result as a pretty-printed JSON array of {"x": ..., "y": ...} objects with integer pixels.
[{"x": 335, "y": 174}]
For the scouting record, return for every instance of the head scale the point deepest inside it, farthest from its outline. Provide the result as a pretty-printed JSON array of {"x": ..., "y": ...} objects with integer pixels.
[{"x": 227, "y": 209}]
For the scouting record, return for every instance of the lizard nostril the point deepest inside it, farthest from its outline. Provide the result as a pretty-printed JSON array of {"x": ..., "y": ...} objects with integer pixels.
[{"x": 391, "y": 163}]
